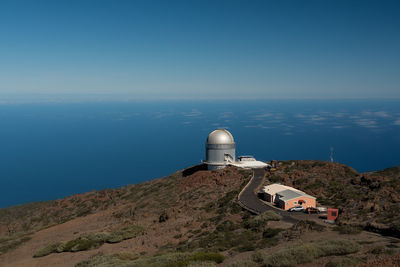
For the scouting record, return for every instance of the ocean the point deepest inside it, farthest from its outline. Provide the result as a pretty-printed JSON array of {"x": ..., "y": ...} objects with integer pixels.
[{"x": 52, "y": 150}]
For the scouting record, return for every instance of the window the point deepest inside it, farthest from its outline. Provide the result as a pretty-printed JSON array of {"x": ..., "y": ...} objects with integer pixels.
[{"x": 295, "y": 202}]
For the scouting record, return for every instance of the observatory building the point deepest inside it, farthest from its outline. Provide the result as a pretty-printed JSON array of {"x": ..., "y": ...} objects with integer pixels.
[{"x": 221, "y": 151}]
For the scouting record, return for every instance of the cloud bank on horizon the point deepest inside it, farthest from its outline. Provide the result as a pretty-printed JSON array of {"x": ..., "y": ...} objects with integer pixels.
[{"x": 229, "y": 49}]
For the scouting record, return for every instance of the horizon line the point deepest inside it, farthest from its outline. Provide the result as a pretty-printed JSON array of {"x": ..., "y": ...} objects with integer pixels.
[{"x": 17, "y": 98}]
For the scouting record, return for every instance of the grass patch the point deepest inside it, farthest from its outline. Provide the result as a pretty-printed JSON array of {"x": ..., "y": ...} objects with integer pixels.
[
  {"x": 305, "y": 253},
  {"x": 344, "y": 262},
  {"x": 123, "y": 234},
  {"x": 11, "y": 244},
  {"x": 381, "y": 250},
  {"x": 260, "y": 221},
  {"x": 243, "y": 264},
  {"x": 165, "y": 260},
  {"x": 348, "y": 229},
  {"x": 177, "y": 236},
  {"x": 90, "y": 241},
  {"x": 271, "y": 232}
]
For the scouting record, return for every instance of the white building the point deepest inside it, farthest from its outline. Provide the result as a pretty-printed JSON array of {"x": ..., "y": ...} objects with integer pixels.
[{"x": 221, "y": 150}]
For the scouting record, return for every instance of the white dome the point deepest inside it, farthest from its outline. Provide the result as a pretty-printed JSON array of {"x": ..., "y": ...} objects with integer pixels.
[{"x": 220, "y": 137}]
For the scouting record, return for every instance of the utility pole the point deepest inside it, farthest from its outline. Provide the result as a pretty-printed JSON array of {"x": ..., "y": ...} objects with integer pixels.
[{"x": 331, "y": 154}]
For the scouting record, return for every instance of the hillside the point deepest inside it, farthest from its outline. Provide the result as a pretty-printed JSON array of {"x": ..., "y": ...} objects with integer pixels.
[
  {"x": 191, "y": 218},
  {"x": 369, "y": 200}
]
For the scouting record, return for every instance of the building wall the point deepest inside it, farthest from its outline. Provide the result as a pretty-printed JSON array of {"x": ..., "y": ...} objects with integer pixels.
[
  {"x": 215, "y": 167},
  {"x": 216, "y": 153},
  {"x": 267, "y": 197},
  {"x": 310, "y": 202}
]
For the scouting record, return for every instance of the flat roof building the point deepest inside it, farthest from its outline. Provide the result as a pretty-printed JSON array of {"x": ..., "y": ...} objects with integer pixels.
[{"x": 287, "y": 197}]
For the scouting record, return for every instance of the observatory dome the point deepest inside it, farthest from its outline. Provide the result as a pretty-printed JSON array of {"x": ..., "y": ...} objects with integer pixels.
[
  {"x": 220, "y": 149},
  {"x": 220, "y": 137}
]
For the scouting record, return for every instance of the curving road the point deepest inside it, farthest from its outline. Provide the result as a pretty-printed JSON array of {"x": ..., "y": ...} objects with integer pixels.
[{"x": 248, "y": 199}]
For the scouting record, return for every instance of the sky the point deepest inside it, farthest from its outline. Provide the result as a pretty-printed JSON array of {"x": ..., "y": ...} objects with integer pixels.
[{"x": 199, "y": 49}]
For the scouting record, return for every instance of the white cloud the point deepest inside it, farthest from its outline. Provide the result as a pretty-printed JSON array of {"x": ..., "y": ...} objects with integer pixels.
[
  {"x": 316, "y": 118},
  {"x": 397, "y": 122},
  {"x": 366, "y": 113},
  {"x": 225, "y": 115},
  {"x": 259, "y": 126},
  {"x": 381, "y": 114},
  {"x": 339, "y": 115},
  {"x": 264, "y": 115},
  {"x": 368, "y": 123},
  {"x": 299, "y": 115},
  {"x": 355, "y": 117},
  {"x": 193, "y": 113}
]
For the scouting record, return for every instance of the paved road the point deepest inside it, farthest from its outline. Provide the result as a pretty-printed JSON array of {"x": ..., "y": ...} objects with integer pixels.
[{"x": 250, "y": 201}]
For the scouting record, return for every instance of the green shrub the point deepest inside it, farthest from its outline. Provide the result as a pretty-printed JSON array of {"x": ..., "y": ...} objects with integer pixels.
[
  {"x": 304, "y": 253},
  {"x": 207, "y": 256},
  {"x": 337, "y": 247},
  {"x": 223, "y": 239},
  {"x": 343, "y": 262},
  {"x": 127, "y": 256},
  {"x": 202, "y": 264},
  {"x": 377, "y": 250},
  {"x": 165, "y": 260},
  {"x": 243, "y": 264},
  {"x": 197, "y": 231},
  {"x": 226, "y": 226},
  {"x": 9, "y": 244},
  {"x": 47, "y": 250},
  {"x": 123, "y": 234},
  {"x": 348, "y": 229},
  {"x": 80, "y": 244},
  {"x": 90, "y": 241},
  {"x": 271, "y": 232},
  {"x": 209, "y": 207},
  {"x": 261, "y": 220}
]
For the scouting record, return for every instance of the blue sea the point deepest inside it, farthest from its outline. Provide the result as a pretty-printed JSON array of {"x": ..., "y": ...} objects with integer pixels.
[{"x": 52, "y": 150}]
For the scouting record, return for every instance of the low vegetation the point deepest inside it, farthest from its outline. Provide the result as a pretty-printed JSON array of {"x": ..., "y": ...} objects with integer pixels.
[
  {"x": 164, "y": 260},
  {"x": 304, "y": 253},
  {"x": 369, "y": 200},
  {"x": 348, "y": 229},
  {"x": 230, "y": 236},
  {"x": 344, "y": 262},
  {"x": 90, "y": 241},
  {"x": 260, "y": 221},
  {"x": 12, "y": 242},
  {"x": 197, "y": 220}
]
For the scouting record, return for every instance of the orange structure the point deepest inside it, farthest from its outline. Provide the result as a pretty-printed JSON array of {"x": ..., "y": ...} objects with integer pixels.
[
  {"x": 287, "y": 197},
  {"x": 332, "y": 214}
]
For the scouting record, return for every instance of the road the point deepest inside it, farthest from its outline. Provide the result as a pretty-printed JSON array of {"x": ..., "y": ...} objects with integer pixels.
[{"x": 250, "y": 201}]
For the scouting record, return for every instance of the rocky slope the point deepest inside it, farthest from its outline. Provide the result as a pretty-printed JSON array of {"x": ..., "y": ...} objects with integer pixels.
[
  {"x": 191, "y": 218},
  {"x": 370, "y": 200}
]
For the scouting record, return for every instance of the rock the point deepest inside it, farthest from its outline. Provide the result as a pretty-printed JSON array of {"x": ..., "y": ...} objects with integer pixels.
[{"x": 163, "y": 217}]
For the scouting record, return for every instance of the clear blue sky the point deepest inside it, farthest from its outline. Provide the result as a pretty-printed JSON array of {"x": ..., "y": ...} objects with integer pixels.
[{"x": 200, "y": 49}]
